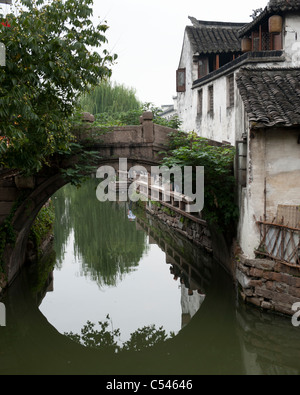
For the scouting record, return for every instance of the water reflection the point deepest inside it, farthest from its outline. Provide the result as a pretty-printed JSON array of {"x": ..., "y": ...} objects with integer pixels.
[
  {"x": 189, "y": 266},
  {"x": 106, "y": 337},
  {"x": 218, "y": 335},
  {"x": 269, "y": 343},
  {"x": 107, "y": 244}
]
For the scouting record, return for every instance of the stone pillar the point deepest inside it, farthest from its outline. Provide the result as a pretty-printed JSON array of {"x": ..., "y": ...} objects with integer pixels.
[
  {"x": 148, "y": 127},
  {"x": 87, "y": 117}
]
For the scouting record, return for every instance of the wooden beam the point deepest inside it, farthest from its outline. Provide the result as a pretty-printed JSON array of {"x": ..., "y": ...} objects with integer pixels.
[
  {"x": 217, "y": 62},
  {"x": 260, "y": 38}
]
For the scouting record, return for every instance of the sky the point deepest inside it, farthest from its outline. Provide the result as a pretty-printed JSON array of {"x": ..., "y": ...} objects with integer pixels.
[{"x": 147, "y": 36}]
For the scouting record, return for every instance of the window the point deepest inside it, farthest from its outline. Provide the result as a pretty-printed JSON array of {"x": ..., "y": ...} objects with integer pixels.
[
  {"x": 211, "y": 100},
  {"x": 180, "y": 80},
  {"x": 203, "y": 67},
  {"x": 230, "y": 91},
  {"x": 241, "y": 162},
  {"x": 263, "y": 40},
  {"x": 200, "y": 102}
]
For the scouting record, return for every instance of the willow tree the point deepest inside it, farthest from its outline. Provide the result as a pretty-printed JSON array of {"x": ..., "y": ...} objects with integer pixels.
[
  {"x": 51, "y": 59},
  {"x": 107, "y": 243},
  {"x": 110, "y": 98}
]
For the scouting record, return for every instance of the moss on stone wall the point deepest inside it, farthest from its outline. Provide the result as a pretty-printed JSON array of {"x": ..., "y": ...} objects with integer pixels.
[{"x": 42, "y": 226}]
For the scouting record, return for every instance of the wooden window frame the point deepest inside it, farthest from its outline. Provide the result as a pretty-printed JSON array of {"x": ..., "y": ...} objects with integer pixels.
[
  {"x": 181, "y": 87},
  {"x": 200, "y": 102},
  {"x": 210, "y": 90},
  {"x": 203, "y": 67},
  {"x": 230, "y": 91}
]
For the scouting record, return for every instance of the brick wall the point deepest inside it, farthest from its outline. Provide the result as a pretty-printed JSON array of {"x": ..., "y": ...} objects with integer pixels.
[{"x": 268, "y": 284}]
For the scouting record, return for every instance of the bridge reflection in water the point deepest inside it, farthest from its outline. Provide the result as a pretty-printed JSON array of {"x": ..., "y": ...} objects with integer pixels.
[{"x": 222, "y": 337}]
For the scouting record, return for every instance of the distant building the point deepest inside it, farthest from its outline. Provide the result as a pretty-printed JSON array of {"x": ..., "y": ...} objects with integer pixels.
[{"x": 169, "y": 110}]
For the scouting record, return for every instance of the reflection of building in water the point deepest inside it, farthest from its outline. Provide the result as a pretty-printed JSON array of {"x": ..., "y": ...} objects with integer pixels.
[
  {"x": 191, "y": 301},
  {"x": 191, "y": 296},
  {"x": 189, "y": 267},
  {"x": 270, "y": 344}
]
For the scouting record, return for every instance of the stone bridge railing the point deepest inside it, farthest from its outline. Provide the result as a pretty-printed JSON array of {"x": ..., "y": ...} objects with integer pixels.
[{"x": 138, "y": 143}]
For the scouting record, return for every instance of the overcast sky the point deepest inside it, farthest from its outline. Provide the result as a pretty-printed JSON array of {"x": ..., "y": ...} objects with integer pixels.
[{"x": 147, "y": 35}]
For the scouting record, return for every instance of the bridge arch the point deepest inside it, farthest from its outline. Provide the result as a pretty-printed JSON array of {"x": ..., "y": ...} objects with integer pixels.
[
  {"x": 21, "y": 198},
  {"x": 55, "y": 353}
]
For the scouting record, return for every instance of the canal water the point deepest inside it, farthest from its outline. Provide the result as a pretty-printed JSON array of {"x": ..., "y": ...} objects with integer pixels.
[{"x": 120, "y": 293}]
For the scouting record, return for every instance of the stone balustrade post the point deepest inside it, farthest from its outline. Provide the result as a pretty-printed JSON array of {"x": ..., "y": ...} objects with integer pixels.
[{"x": 148, "y": 126}]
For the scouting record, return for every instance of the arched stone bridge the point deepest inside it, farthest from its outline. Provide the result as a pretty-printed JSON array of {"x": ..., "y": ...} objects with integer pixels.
[{"x": 22, "y": 198}]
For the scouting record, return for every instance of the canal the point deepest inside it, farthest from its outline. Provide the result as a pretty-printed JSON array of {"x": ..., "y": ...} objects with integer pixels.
[{"x": 124, "y": 294}]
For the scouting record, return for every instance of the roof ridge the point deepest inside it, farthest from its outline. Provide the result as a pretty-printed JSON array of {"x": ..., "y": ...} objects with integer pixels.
[
  {"x": 270, "y": 68},
  {"x": 201, "y": 23}
]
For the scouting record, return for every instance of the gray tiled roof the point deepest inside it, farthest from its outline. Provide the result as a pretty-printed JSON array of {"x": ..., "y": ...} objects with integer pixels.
[
  {"x": 283, "y": 5},
  {"x": 214, "y": 37},
  {"x": 271, "y": 97},
  {"x": 274, "y": 6}
]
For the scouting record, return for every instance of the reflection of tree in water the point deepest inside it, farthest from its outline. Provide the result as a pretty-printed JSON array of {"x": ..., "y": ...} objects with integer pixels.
[
  {"x": 106, "y": 338},
  {"x": 62, "y": 224},
  {"x": 107, "y": 243}
]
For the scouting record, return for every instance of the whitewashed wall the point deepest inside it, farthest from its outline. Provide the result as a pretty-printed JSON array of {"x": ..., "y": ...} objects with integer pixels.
[
  {"x": 185, "y": 100},
  {"x": 291, "y": 38},
  {"x": 274, "y": 163}
]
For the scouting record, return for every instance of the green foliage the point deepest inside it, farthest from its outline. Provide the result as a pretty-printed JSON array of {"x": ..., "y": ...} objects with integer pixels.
[
  {"x": 168, "y": 211},
  {"x": 146, "y": 337},
  {"x": 91, "y": 337},
  {"x": 132, "y": 117},
  {"x": 187, "y": 149},
  {"x": 49, "y": 64},
  {"x": 142, "y": 338},
  {"x": 80, "y": 171},
  {"x": 7, "y": 233},
  {"x": 109, "y": 98},
  {"x": 106, "y": 256},
  {"x": 116, "y": 105},
  {"x": 7, "y": 236},
  {"x": 43, "y": 224}
]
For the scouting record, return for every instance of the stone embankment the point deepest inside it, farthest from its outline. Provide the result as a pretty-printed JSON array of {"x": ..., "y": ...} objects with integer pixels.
[
  {"x": 268, "y": 284},
  {"x": 195, "y": 230}
]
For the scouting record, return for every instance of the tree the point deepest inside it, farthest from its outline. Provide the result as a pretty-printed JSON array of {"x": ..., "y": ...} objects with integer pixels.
[
  {"x": 49, "y": 65},
  {"x": 132, "y": 117},
  {"x": 188, "y": 149},
  {"x": 106, "y": 255},
  {"x": 110, "y": 98}
]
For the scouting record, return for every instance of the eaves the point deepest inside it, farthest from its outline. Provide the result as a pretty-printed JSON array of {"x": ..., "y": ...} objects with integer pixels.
[{"x": 247, "y": 58}]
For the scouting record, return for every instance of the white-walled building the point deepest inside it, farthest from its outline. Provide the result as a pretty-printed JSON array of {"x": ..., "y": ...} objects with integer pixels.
[{"x": 240, "y": 84}]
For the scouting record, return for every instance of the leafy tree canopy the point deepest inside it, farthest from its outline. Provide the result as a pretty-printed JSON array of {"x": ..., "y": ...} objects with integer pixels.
[
  {"x": 188, "y": 149},
  {"x": 132, "y": 117},
  {"x": 50, "y": 63},
  {"x": 110, "y": 98}
]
